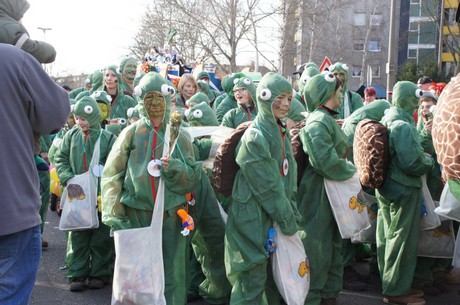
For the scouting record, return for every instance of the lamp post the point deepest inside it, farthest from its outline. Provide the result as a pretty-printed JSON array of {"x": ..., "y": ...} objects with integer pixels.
[
  {"x": 390, "y": 67},
  {"x": 44, "y": 31}
]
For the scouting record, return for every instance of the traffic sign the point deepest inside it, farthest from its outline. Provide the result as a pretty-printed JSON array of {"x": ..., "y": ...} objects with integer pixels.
[{"x": 325, "y": 64}]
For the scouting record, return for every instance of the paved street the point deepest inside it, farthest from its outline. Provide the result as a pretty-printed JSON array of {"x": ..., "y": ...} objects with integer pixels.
[{"x": 51, "y": 286}]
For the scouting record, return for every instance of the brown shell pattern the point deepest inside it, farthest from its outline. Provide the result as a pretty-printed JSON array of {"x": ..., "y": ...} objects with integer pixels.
[{"x": 446, "y": 129}]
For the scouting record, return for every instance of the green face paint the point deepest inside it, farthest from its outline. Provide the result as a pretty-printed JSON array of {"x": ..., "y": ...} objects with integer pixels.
[
  {"x": 154, "y": 103},
  {"x": 104, "y": 111},
  {"x": 130, "y": 69}
]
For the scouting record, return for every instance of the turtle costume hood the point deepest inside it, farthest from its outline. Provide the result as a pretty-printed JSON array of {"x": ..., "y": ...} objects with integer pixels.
[
  {"x": 88, "y": 109},
  {"x": 14, "y": 8},
  {"x": 153, "y": 82},
  {"x": 228, "y": 82},
  {"x": 197, "y": 98},
  {"x": 319, "y": 90},
  {"x": 270, "y": 87},
  {"x": 307, "y": 74},
  {"x": 247, "y": 83},
  {"x": 406, "y": 95},
  {"x": 203, "y": 74},
  {"x": 201, "y": 114},
  {"x": 341, "y": 67}
]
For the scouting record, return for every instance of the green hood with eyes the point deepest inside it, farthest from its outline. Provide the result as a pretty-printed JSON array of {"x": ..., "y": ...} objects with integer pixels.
[
  {"x": 271, "y": 86},
  {"x": 247, "y": 83},
  {"x": 406, "y": 95},
  {"x": 319, "y": 90},
  {"x": 201, "y": 115},
  {"x": 307, "y": 74},
  {"x": 88, "y": 109},
  {"x": 198, "y": 98},
  {"x": 153, "y": 82}
]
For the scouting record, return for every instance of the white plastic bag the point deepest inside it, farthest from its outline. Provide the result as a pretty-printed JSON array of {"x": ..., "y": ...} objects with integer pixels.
[
  {"x": 431, "y": 219},
  {"x": 350, "y": 214},
  {"x": 438, "y": 242},
  {"x": 138, "y": 276},
  {"x": 368, "y": 235},
  {"x": 79, "y": 199},
  {"x": 291, "y": 269},
  {"x": 449, "y": 206}
]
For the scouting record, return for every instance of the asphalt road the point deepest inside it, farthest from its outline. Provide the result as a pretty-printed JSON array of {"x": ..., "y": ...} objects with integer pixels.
[{"x": 51, "y": 287}]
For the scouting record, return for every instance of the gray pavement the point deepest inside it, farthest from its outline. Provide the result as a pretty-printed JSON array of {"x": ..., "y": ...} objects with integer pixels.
[{"x": 51, "y": 287}]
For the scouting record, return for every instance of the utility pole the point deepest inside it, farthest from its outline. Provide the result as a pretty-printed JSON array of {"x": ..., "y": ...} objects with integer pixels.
[
  {"x": 390, "y": 67},
  {"x": 44, "y": 39}
]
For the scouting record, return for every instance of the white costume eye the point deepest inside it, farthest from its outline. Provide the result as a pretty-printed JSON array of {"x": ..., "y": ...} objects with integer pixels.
[
  {"x": 172, "y": 90},
  {"x": 231, "y": 75},
  {"x": 433, "y": 108},
  {"x": 345, "y": 67},
  {"x": 329, "y": 77},
  {"x": 109, "y": 98},
  {"x": 122, "y": 121},
  {"x": 235, "y": 81},
  {"x": 247, "y": 81},
  {"x": 418, "y": 93},
  {"x": 386, "y": 111},
  {"x": 87, "y": 81},
  {"x": 88, "y": 109},
  {"x": 165, "y": 90},
  {"x": 96, "y": 94},
  {"x": 332, "y": 68},
  {"x": 118, "y": 71},
  {"x": 198, "y": 113},
  {"x": 266, "y": 94},
  {"x": 138, "y": 90},
  {"x": 72, "y": 108},
  {"x": 130, "y": 112},
  {"x": 187, "y": 112}
]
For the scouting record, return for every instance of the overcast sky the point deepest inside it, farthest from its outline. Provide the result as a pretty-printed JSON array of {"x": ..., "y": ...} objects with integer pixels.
[
  {"x": 91, "y": 34},
  {"x": 87, "y": 34}
]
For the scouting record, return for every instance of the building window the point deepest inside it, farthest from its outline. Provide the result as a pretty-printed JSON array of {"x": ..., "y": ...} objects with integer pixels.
[
  {"x": 413, "y": 26},
  {"x": 376, "y": 19},
  {"x": 374, "y": 46},
  {"x": 358, "y": 46},
  {"x": 412, "y": 53},
  {"x": 376, "y": 71},
  {"x": 356, "y": 71},
  {"x": 359, "y": 19},
  {"x": 414, "y": 1}
]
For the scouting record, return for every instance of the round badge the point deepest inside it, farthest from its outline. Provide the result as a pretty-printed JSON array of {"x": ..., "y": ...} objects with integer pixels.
[
  {"x": 97, "y": 170},
  {"x": 154, "y": 168},
  {"x": 285, "y": 167},
  {"x": 57, "y": 142}
]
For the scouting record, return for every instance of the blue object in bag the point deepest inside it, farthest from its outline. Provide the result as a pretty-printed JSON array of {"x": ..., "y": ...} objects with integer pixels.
[{"x": 270, "y": 246}]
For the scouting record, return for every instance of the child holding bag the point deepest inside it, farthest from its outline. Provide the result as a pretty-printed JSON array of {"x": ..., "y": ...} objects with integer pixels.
[{"x": 89, "y": 252}]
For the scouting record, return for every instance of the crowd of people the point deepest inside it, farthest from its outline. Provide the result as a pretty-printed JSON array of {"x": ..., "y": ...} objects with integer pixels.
[{"x": 123, "y": 115}]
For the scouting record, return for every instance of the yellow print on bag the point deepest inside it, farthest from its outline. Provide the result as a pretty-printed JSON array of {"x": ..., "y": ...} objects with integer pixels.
[
  {"x": 304, "y": 268},
  {"x": 354, "y": 203},
  {"x": 443, "y": 230}
]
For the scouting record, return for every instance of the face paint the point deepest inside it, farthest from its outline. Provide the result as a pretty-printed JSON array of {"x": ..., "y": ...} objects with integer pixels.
[
  {"x": 154, "y": 103},
  {"x": 280, "y": 105},
  {"x": 129, "y": 70},
  {"x": 104, "y": 110},
  {"x": 188, "y": 90},
  {"x": 338, "y": 96}
]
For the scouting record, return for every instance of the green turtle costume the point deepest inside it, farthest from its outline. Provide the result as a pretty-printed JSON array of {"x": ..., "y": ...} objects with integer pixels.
[
  {"x": 206, "y": 89},
  {"x": 242, "y": 113},
  {"x": 327, "y": 147},
  {"x": 400, "y": 197},
  {"x": 128, "y": 69},
  {"x": 129, "y": 191},
  {"x": 89, "y": 252},
  {"x": 310, "y": 71},
  {"x": 351, "y": 100},
  {"x": 263, "y": 192},
  {"x": 229, "y": 101},
  {"x": 227, "y": 86},
  {"x": 96, "y": 79}
]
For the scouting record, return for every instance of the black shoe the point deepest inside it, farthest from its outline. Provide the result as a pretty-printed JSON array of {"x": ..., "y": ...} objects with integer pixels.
[
  {"x": 193, "y": 297},
  {"x": 77, "y": 284},
  {"x": 352, "y": 281},
  {"x": 95, "y": 283}
]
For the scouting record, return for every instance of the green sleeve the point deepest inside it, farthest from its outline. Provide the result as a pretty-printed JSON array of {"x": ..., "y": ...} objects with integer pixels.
[
  {"x": 62, "y": 160},
  {"x": 356, "y": 101}
]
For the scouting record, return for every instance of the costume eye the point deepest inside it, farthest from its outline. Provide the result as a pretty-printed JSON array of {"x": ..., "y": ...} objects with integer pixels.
[
  {"x": 72, "y": 108},
  {"x": 88, "y": 109},
  {"x": 198, "y": 113},
  {"x": 329, "y": 77},
  {"x": 122, "y": 121},
  {"x": 231, "y": 75},
  {"x": 138, "y": 90},
  {"x": 332, "y": 68},
  {"x": 109, "y": 98},
  {"x": 130, "y": 112},
  {"x": 96, "y": 94},
  {"x": 187, "y": 112},
  {"x": 247, "y": 81},
  {"x": 266, "y": 94},
  {"x": 433, "y": 108},
  {"x": 345, "y": 67},
  {"x": 306, "y": 79},
  {"x": 172, "y": 91},
  {"x": 235, "y": 81},
  {"x": 165, "y": 89},
  {"x": 418, "y": 93}
]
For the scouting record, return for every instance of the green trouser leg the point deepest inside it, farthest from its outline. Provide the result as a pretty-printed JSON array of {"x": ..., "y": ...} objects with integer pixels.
[
  {"x": 195, "y": 275},
  {"x": 208, "y": 244},
  {"x": 423, "y": 276},
  {"x": 102, "y": 253},
  {"x": 174, "y": 259},
  {"x": 90, "y": 253},
  {"x": 398, "y": 227},
  {"x": 45, "y": 196}
]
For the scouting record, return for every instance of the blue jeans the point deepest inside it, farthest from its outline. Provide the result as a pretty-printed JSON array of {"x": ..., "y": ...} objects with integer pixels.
[{"x": 20, "y": 255}]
